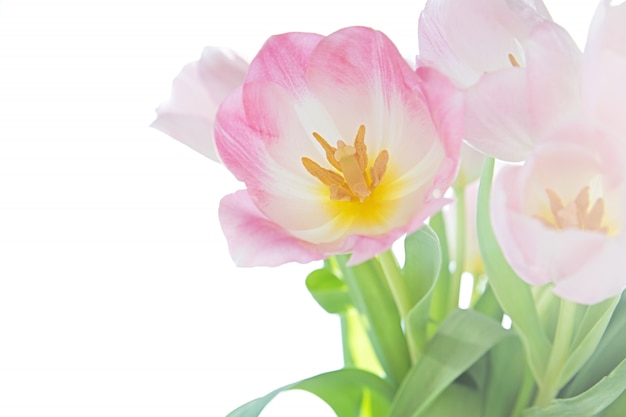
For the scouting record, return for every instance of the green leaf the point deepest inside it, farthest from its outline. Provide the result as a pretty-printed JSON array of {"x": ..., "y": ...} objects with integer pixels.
[
  {"x": 513, "y": 294},
  {"x": 422, "y": 262},
  {"x": 590, "y": 402},
  {"x": 421, "y": 269},
  {"x": 591, "y": 330},
  {"x": 330, "y": 292},
  {"x": 461, "y": 339},
  {"x": 349, "y": 392},
  {"x": 488, "y": 304},
  {"x": 609, "y": 353},
  {"x": 456, "y": 400},
  {"x": 507, "y": 371},
  {"x": 616, "y": 409}
]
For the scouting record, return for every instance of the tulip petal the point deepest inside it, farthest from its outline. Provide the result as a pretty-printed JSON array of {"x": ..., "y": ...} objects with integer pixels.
[
  {"x": 510, "y": 110},
  {"x": 196, "y": 93},
  {"x": 605, "y": 65},
  {"x": 467, "y": 38},
  {"x": 601, "y": 278},
  {"x": 254, "y": 240}
]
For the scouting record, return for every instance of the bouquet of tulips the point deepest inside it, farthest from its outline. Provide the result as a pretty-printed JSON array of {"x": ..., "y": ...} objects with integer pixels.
[{"x": 498, "y": 156}]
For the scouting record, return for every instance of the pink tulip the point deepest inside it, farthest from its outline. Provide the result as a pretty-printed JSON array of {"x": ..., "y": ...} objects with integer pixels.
[
  {"x": 196, "y": 94},
  {"x": 342, "y": 146},
  {"x": 560, "y": 218},
  {"x": 520, "y": 70}
]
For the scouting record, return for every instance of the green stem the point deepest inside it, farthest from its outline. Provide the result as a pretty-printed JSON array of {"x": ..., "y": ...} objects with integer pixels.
[
  {"x": 401, "y": 295},
  {"x": 373, "y": 300},
  {"x": 439, "y": 302},
  {"x": 396, "y": 282},
  {"x": 551, "y": 382},
  {"x": 525, "y": 393},
  {"x": 455, "y": 281}
]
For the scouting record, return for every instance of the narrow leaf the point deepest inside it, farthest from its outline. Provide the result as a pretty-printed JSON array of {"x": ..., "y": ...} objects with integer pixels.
[
  {"x": 421, "y": 269},
  {"x": 349, "y": 392},
  {"x": 610, "y": 352},
  {"x": 513, "y": 294},
  {"x": 461, "y": 339},
  {"x": 590, "y": 402}
]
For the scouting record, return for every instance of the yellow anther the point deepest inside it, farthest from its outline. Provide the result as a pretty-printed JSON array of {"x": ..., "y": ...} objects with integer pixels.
[
  {"x": 351, "y": 182},
  {"x": 378, "y": 169},
  {"x": 513, "y": 61},
  {"x": 330, "y": 151}
]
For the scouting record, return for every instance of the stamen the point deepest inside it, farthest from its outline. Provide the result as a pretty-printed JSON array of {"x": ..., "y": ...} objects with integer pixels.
[
  {"x": 378, "y": 169},
  {"x": 326, "y": 176},
  {"x": 582, "y": 205},
  {"x": 555, "y": 203},
  {"x": 594, "y": 217},
  {"x": 513, "y": 61},
  {"x": 576, "y": 214},
  {"x": 351, "y": 182},
  {"x": 330, "y": 151}
]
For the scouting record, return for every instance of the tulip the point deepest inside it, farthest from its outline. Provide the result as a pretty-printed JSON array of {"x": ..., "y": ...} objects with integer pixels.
[
  {"x": 520, "y": 71},
  {"x": 196, "y": 94},
  {"x": 560, "y": 218},
  {"x": 343, "y": 148}
]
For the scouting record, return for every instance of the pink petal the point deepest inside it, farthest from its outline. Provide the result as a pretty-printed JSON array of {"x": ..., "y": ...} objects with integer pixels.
[
  {"x": 446, "y": 106},
  {"x": 554, "y": 66},
  {"x": 497, "y": 121},
  {"x": 359, "y": 76},
  {"x": 605, "y": 65},
  {"x": 283, "y": 60},
  {"x": 601, "y": 278},
  {"x": 467, "y": 38},
  {"x": 196, "y": 93},
  {"x": 509, "y": 111},
  {"x": 254, "y": 240}
]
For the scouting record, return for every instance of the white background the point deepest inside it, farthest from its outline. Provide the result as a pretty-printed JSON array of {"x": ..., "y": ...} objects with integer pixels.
[{"x": 117, "y": 294}]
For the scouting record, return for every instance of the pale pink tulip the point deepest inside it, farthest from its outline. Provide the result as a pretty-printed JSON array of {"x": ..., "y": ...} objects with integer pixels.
[
  {"x": 560, "y": 218},
  {"x": 196, "y": 94},
  {"x": 520, "y": 71},
  {"x": 342, "y": 146}
]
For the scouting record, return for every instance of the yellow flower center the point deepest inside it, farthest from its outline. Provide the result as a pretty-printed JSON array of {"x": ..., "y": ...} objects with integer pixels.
[
  {"x": 576, "y": 214},
  {"x": 350, "y": 181}
]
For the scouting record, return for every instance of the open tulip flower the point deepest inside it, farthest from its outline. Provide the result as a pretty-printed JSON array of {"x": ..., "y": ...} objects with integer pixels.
[
  {"x": 342, "y": 146},
  {"x": 345, "y": 149},
  {"x": 560, "y": 217}
]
